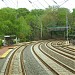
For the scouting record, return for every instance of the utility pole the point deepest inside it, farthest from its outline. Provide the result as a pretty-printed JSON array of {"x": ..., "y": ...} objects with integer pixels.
[
  {"x": 67, "y": 42},
  {"x": 37, "y": 17},
  {"x": 41, "y": 30},
  {"x": 16, "y": 18},
  {"x": 17, "y": 4},
  {"x": 66, "y": 19},
  {"x": 67, "y": 25}
]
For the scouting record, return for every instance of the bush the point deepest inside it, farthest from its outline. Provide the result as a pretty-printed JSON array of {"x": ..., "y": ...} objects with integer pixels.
[{"x": 0, "y": 43}]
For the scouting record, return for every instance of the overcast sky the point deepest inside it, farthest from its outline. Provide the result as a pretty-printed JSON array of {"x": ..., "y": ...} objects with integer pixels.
[{"x": 42, "y": 4}]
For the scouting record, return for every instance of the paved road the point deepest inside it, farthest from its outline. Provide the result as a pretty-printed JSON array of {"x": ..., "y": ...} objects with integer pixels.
[{"x": 31, "y": 64}]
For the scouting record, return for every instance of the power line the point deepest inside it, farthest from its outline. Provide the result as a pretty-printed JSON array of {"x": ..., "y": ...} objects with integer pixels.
[
  {"x": 64, "y": 2},
  {"x": 41, "y": 23},
  {"x": 30, "y": 1},
  {"x": 41, "y": 4},
  {"x": 61, "y": 4},
  {"x": 47, "y": 3},
  {"x": 55, "y": 2},
  {"x": 9, "y": 3},
  {"x": 12, "y": 2},
  {"x": 17, "y": 4},
  {"x": 33, "y": 3},
  {"x": 66, "y": 18},
  {"x": 4, "y": 3},
  {"x": 36, "y": 5}
]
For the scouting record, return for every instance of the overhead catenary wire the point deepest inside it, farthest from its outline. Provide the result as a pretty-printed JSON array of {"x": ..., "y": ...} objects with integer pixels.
[
  {"x": 47, "y": 3},
  {"x": 64, "y": 2},
  {"x": 9, "y": 3},
  {"x": 35, "y": 8},
  {"x": 41, "y": 23},
  {"x": 12, "y": 2},
  {"x": 33, "y": 4},
  {"x": 36, "y": 5},
  {"x": 55, "y": 2},
  {"x": 4, "y": 3},
  {"x": 66, "y": 18},
  {"x": 41, "y": 4},
  {"x": 60, "y": 4}
]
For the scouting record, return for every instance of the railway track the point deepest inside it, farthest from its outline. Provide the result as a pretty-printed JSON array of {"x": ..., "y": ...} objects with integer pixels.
[
  {"x": 67, "y": 48},
  {"x": 51, "y": 62},
  {"x": 15, "y": 63},
  {"x": 39, "y": 57},
  {"x": 57, "y": 60},
  {"x": 66, "y": 57},
  {"x": 61, "y": 50}
]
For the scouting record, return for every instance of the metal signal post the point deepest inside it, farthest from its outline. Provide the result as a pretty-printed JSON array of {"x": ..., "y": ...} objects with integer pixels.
[{"x": 67, "y": 24}]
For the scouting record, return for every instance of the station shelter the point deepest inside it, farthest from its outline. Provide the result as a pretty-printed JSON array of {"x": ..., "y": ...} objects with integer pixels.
[{"x": 9, "y": 40}]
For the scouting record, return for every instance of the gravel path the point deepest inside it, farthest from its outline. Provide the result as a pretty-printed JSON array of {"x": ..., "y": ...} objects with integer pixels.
[{"x": 31, "y": 65}]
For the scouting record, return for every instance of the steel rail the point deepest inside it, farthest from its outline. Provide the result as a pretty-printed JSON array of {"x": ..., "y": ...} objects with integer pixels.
[
  {"x": 51, "y": 69},
  {"x": 12, "y": 61},
  {"x": 60, "y": 52},
  {"x": 48, "y": 66},
  {"x": 65, "y": 66},
  {"x": 64, "y": 49}
]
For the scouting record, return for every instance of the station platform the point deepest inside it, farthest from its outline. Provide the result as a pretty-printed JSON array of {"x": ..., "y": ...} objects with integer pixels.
[{"x": 4, "y": 51}]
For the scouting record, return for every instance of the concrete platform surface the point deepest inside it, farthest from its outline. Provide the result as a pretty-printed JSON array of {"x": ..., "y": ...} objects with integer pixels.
[{"x": 4, "y": 51}]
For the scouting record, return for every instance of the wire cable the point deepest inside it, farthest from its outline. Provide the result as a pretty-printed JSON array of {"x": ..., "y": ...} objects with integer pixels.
[
  {"x": 55, "y": 2},
  {"x": 47, "y": 3},
  {"x": 5, "y": 3},
  {"x": 33, "y": 3},
  {"x": 9, "y": 3},
  {"x": 61, "y": 4},
  {"x": 64, "y": 2},
  {"x": 36, "y": 5},
  {"x": 41, "y": 4},
  {"x": 12, "y": 2}
]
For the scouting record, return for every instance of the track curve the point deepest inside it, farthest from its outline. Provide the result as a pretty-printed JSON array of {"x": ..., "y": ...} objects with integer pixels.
[
  {"x": 44, "y": 50},
  {"x": 15, "y": 64}
]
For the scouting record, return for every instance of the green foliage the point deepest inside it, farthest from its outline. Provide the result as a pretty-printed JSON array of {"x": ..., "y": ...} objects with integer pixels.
[
  {"x": 22, "y": 12},
  {"x": 26, "y": 24},
  {"x": 0, "y": 43},
  {"x": 24, "y": 29}
]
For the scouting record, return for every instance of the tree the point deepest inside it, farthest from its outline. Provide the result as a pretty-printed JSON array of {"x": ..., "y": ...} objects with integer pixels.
[
  {"x": 22, "y": 12},
  {"x": 27, "y": 24},
  {"x": 24, "y": 29}
]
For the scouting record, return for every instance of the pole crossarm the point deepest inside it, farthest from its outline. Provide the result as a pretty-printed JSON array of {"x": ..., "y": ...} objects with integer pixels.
[{"x": 57, "y": 28}]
